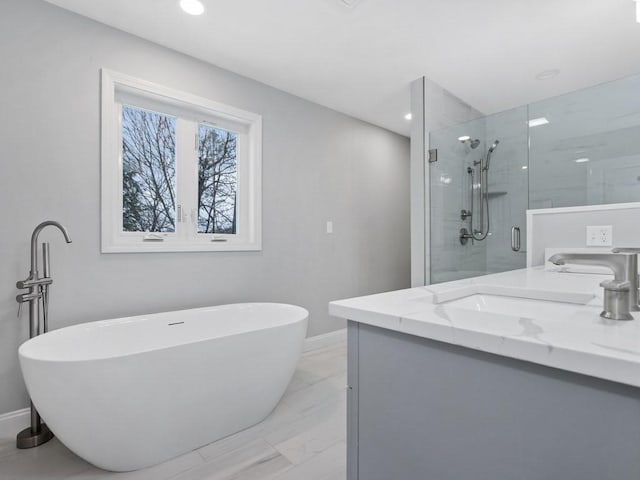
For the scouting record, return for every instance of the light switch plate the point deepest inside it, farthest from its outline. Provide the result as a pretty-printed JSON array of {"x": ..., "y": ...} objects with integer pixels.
[
  {"x": 599, "y": 235},
  {"x": 329, "y": 226}
]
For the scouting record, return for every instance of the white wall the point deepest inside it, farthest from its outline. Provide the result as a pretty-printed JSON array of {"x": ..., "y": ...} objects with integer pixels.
[{"x": 318, "y": 165}]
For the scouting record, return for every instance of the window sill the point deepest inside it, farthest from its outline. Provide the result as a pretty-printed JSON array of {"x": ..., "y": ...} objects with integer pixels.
[{"x": 210, "y": 246}]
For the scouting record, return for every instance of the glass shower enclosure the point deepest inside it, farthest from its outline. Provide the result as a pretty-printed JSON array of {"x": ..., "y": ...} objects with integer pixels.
[
  {"x": 576, "y": 149},
  {"x": 479, "y": 196}
]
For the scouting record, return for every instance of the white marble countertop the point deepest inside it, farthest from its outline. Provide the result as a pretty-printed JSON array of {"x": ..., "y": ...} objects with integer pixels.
[{"x": 575, "y": 338}]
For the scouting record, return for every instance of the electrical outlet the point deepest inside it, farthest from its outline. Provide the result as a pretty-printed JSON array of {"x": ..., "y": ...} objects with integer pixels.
[{"x": 599, "y": 235}]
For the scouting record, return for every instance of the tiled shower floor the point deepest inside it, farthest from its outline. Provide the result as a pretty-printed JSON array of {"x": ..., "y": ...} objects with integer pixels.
[{"x": 303, "y": 439}]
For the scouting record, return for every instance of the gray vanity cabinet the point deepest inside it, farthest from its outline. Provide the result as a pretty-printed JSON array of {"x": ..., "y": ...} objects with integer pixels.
[{"x": 424, "y": 410}]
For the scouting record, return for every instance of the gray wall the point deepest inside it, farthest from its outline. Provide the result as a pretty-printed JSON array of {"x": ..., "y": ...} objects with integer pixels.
[
  {"x": 318, "y": 165},
  {"x": 567, "y": 228}
]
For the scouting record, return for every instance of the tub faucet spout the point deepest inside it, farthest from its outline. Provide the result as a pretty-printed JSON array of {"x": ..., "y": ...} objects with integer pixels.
[{"x": 33, "y": 273}]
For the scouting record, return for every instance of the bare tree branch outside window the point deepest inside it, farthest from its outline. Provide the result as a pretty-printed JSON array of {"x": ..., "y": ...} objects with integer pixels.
[
  {"x": 217, "y": 180},
  {"x": 148, "y": 171}
]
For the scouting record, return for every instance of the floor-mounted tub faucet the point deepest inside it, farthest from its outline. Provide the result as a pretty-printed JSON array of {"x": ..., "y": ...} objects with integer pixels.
[
  {"x": 38, "y": 289},
  {"x": 621, "y": 293}
]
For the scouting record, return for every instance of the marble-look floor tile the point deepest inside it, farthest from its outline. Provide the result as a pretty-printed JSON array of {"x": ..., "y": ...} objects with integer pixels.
[
  {"x": 282, "y": 416},
  {"x": 320, "y": 364},
  {"x": 306, "y": 399},
  {"x": 7, "y": 446},
  {"x": 329, "y": 464},
  {"x": 241, "y": 461},
  {"x": 164, "y": 471},
  {"x": 341, "y": 475},
  {"x": 51, "y": 461},
  {"x": 313, "y": 417},
  {"x": 297, "y": 382},
  {"x": 264, "y": 469},
  {"x": 315, "y": 440}
]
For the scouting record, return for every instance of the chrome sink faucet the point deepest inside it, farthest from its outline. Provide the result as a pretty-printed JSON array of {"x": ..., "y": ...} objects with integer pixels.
[{"x": 621, "y": 293}]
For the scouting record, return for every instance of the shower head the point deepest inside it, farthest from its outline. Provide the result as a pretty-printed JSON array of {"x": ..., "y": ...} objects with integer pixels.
[
  {"x": 472, "y": 143},
  {"x": 491, "y": 150}
]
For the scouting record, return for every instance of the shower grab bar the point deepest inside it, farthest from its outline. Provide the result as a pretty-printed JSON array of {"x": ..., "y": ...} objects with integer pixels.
[{"x": 483, "y": 176}]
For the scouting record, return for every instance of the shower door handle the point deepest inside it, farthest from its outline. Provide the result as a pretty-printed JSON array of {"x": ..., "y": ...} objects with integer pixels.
[{"x": 515, "y": 239}]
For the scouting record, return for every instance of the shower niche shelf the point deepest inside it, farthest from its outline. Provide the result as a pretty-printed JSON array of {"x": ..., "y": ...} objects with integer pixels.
[{"x": 496, "y": 194}]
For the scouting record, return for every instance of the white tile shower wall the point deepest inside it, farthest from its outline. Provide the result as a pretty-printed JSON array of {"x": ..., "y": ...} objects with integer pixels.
[
  {"x": 508, "y": 182},
  {"x": 317, "y": 164},
  {"x": 566, "y": 227},
  {"x": 601, "y": 124}
]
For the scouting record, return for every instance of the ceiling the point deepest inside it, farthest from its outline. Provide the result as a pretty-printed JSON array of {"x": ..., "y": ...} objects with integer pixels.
[{"x": 360, "y": 60}]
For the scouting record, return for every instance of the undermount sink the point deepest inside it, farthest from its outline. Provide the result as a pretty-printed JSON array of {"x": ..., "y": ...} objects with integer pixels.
[{"x": 518, "y": 306}]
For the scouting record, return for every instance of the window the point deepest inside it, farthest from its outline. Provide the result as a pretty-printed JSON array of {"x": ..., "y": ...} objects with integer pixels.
[{"x": 179, "y": 172}]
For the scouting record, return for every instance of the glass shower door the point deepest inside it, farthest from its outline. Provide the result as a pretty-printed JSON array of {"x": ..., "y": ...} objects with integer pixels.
[{"x": 478, "y": 190}]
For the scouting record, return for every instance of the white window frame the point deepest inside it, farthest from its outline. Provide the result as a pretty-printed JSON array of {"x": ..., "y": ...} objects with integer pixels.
[{"x": 190, "y": 110}]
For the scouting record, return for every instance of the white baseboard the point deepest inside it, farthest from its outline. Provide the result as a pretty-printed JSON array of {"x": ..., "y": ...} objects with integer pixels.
[
  {"x": 12, "y": 422},
  {"x": 325, "y": 340}
]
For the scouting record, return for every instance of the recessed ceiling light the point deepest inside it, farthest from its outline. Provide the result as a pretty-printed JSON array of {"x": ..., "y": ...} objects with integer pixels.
[
  {"x": 192, "y": 7},
  {"x": 582, "y": 160},
  {"x": 548, "y": 74},
  {"x": 524, "y": 167},
  {"x": 464, "y": 138},
  {"x": 408, "y": 116},
  {"x": 536, "y": 122}
]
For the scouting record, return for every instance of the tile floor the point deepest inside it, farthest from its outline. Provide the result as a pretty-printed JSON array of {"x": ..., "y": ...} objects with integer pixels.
[{"x": 302, "y": 439}]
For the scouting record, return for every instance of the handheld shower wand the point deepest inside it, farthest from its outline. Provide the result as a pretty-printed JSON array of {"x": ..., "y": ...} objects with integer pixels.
[
  {"x": 484, "y": 194},
  {"x": 489, "y": 153}
]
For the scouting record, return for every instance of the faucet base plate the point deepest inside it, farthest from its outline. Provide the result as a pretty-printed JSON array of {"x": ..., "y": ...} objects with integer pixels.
[
  {"x": 27, "y": 439},
  {"x": 616, "y": 316}
]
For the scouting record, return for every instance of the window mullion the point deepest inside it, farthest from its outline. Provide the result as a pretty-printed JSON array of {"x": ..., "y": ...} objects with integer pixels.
[{"x": 187, "y": 176}]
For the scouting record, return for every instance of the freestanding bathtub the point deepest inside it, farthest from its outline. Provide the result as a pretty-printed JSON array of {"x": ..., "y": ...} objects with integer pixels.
[{"x": 132, "y": 392}]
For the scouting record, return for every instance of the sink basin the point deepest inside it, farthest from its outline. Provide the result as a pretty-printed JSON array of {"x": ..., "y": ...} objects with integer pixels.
[{"x": 514, "y": 306}]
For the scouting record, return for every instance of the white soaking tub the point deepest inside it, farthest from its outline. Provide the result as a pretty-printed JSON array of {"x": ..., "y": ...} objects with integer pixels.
[{"x": 132, "y": 392}]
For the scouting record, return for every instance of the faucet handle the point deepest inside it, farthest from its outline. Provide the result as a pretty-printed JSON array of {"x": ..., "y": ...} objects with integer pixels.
[{"x": 616, "y": 300}]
